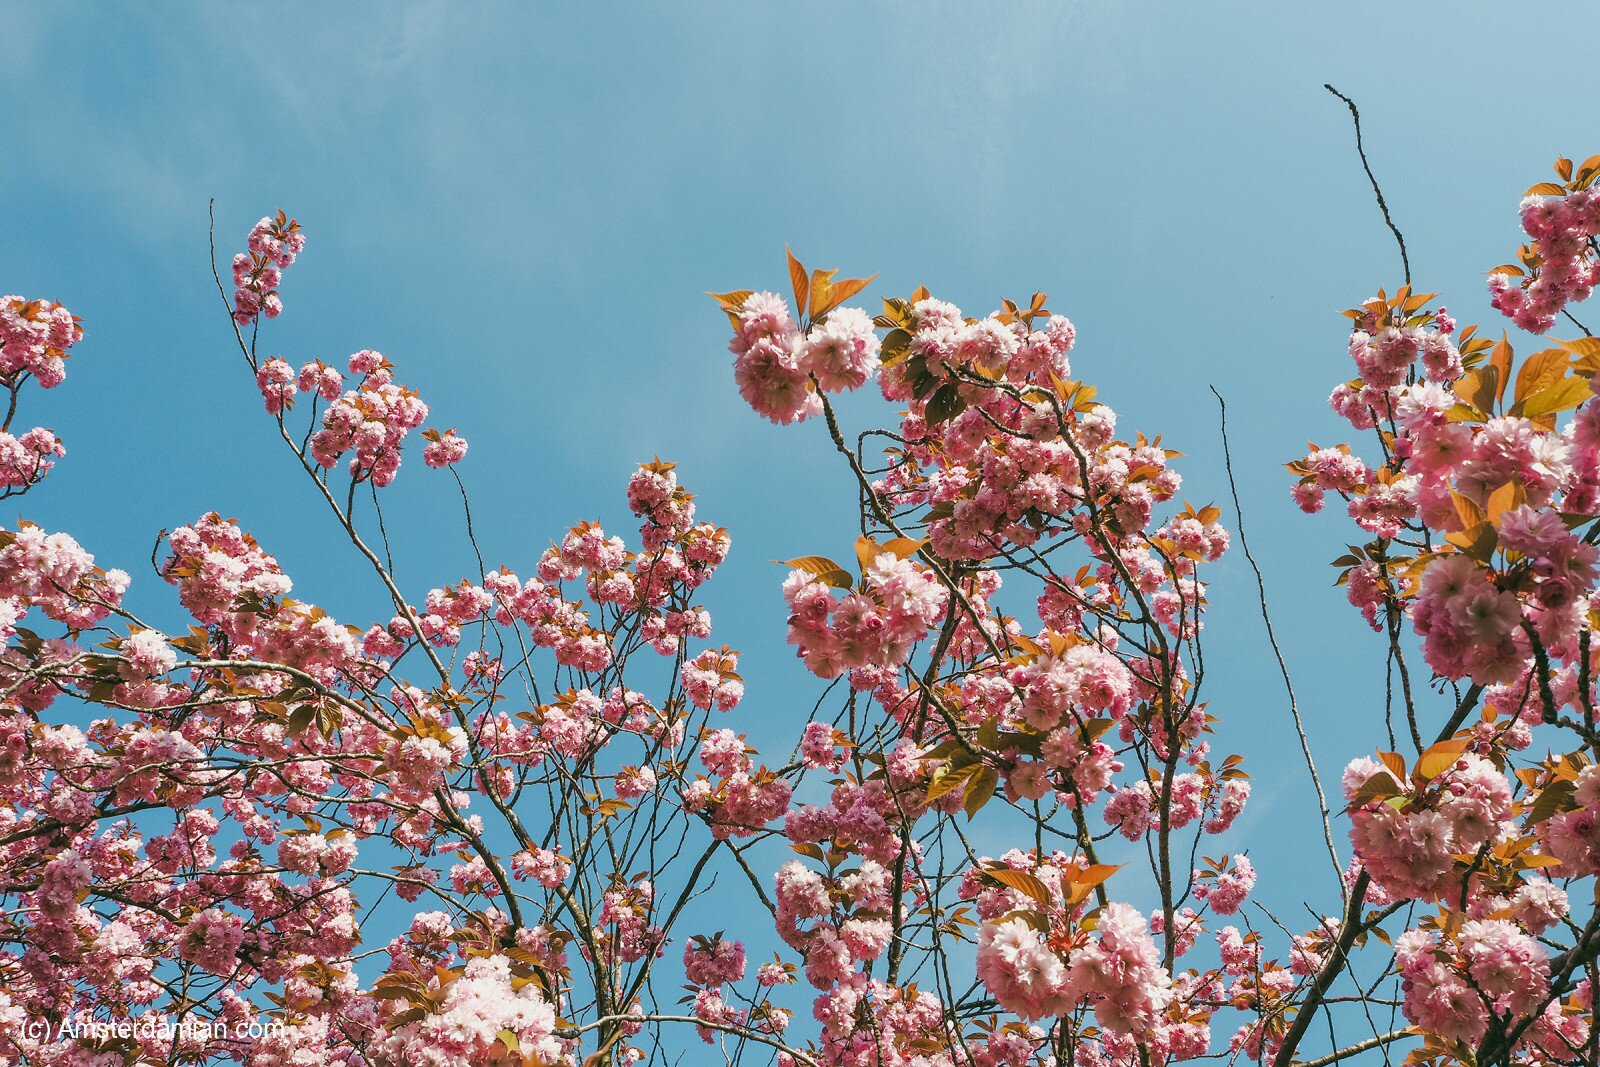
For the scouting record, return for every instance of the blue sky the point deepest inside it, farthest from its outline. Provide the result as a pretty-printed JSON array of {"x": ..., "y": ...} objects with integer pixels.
[{"x": 522, "y": 205}]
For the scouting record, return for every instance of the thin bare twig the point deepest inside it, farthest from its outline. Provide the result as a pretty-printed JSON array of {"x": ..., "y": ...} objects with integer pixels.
[
  {"x": 1272, "y": 639},
  {"x": 1405, "y": 261}
]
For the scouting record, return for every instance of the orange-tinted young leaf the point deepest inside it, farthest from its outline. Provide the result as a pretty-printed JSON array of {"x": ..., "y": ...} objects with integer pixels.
[
  {"x": 1091, "y": 875},
  {"x": 1540, "y": 371},
  {"x": 1027, "y": 644},
  {"x": 1585, "y": 348},
  {"x": 1545, "y": 189},
  {"x": 979, "y": 789},
  {"x": 844, "y": 290},
  {"x": 731, "y": 301},
  {"x": 866, "y": 551},
  {"x": 1476, "y": 542},
  {"x": 904, "y": 547},
  {"x": 1076, "y": 893},
  {"x": 1479, "y": 388},
  {"x": 797, "y": 279},
  {"x": 1467, "y": 511},
  {"x": 1396, "y": 764},
  {"x": 948, "y": 780},
  {"x": 1022, "y": 882},
  {"x": 1554, "y": 799},
  {"x": 821, "y": 288},
  {"x": 1565, "y": 394},
  {"x": 1440, "y": 757},
  {"x": 1379, "y": 787},
  {"x": 1500, "y": 360},
  {"x": 822, "y": 568},
  {"x": 1508, "y": 497}
]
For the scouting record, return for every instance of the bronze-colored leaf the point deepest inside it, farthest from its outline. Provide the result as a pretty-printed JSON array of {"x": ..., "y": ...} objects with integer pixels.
[
  {"x": 1500, "y": 360},
  {"x": 1565, "y": 394},
  {"x": 731, "y": 301},
  {"x": 798, "y": 280},
  {"x": 1540, "y": 371},
  {"x": 980, "y": 788},
  {"x": 1379, "y": 787},
  {"x": 1508, "y": 497},
  {"x": 904, "y": 547},
  {"x": 1440, "y": 757},
  {"x": 948, "y": 780},
  {"x": 1091, "y": 875},
  {"x": 1022, "y": 882},
  {"x": 844, "y": 290},
  {"x": 1556, "y": 798},
  {"x": 822, "y": 568},
  {"x": 1479, "y": 387},
  {"x": 867, "y": 551},
  {"x": 821, "y": 290}
]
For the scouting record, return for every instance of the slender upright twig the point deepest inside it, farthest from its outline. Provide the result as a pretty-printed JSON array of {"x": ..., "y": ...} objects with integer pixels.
[
  {"x": 1272, "y": 639},
  {"x": 1405, "y": 261}
]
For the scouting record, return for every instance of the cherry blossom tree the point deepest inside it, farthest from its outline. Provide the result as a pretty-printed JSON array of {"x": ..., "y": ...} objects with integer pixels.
[{"x": 471, "y": 831}]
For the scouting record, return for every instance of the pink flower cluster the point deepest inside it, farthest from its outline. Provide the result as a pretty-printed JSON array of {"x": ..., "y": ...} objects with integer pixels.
[
  {"x": 1136, "y": 809},
  {"x": 226, "y": 580},
  {"x": 711, "y": 961},
  {"x": 741, "y": 798},
  {"x": 863, "y": 817},
  {"x": 1494, "y": 497},
  {"x": 1409, "y": 848},
  {"x": 1385, "y": 357},
  {"x": 1563, "y": 267},
  {"x": 1573, "y": 836},
  {"x": 543, "y": 865},
  {"x": 273, "y": 244},
  {"x": 216, "y": 565},
  {"x": 1452, "y": 984},
  {"x": 898, "y": 603},
  {"x": 466, "y": 1027},
  {"x": 1324, "y": 470},
  {"x": 279, "y": 383},
  {"x": 1120, "y": 974},
  {"x": 838, "y": 922},
  {"x": 1467, "y": 622},
  {"x": 34, "y": 338},
  {"x": 444, "y": 449},
  {"x": 712, "y": 679},
  {"x": 25, "y": 460},
  {"x": 371, "y": 421},
  {"x": 778, "y": 367},
  {"x": 1226, "y": 894},
  {"x": 52, "y": 572}
]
